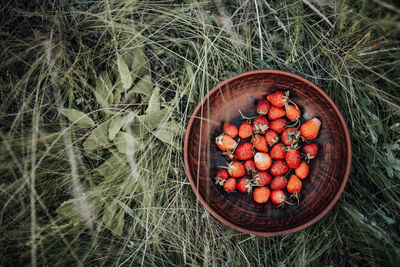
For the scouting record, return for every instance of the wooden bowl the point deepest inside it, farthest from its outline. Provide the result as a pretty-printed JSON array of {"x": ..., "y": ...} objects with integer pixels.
[{"x": 329, "y": 171}]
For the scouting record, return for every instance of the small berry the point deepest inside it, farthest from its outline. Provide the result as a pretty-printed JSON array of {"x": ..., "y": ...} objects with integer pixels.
[
  {"x": 260, "y": 125},
  {"x": 244, "y": 151},
  {"x": 262, "y": 178},
  {"x": 276, "y": 113},
  {"x": 225, "y": 142},
  {"x": 310, "y": 129},
  {"x": 262, "y": 160},
  {"x": 261, "y": 194},
  {"x": 292, "y": 158},
  {"x": 311, "y": 150},
  {"x": 230, "y": 185},
  {"x": 249, "y": 166},
  {"x": 271, "y": 137},
  {"x": 279, "y": 182},
  {"x": 230, "y": 129},
  {"x": 236, "y": 169},
  {"x": 290, "y": 136},
  {"x": 278, "y": 197},
  {"x": 263, "y": 107},
  {"x": 244, "y": 185},
  {"x": 259, "y": 143},
  {"x": 279, "y": 167},
  {"x": 278, "y": 151},
  {"x": 245, "y": 130},
  {"x": 292, "y": 112},
  {"x": 278, "y": 125},
  {"x": 302, "y": 170},
  {"x": 278, "y": 99},
  {"x": 294, "y": 184},
  {"x": 221, "y": 177}
]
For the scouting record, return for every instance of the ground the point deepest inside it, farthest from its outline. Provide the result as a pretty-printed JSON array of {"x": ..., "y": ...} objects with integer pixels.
[{"x": 83, "y": 82}]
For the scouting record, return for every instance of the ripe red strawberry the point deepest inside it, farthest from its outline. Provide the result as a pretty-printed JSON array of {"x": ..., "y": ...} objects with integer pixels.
[
  {"x": 225, "y": 142},
  {"x": 230, "y": 129},
  {"x": 263, "y": 107},
  {"x": 292, "y": 112},
  {"x": 261, "y": 194},
  {"x": 278, "y": 99},
  {"x": 244, "y": 151},
  {"x": 230, "y": 185},
  {"x": 259, "y": 143},
  {"x": 278, "y": 197},
  {"x": 244, "y": 185},
  {"x": 290, "y": 135},
  {"x": 249, "y": 166},
  {"x": 302, "y": 170},
  {"x": 278, "y": 151},
  {"x": 221, "y": 177},
  {"x": 262, "y": 160},
  {"x": 311, "y": 150},
  {"x": 236, "y": 169},
  {"x": 262, "y": 178},
  {"x": 276, "y": 113},
  {"x": 310, "y": 129},
  {"x": 279, "y": 167},
  {"x": 278, "y": 125},
  {"x": 260, "y": 125},
  {"x": 279, "y": 182},
  {"x": 271, "y": 137},
  {"x": 292, "y": 158},
  {"x": 245, "y": 130},
  {"x": 294, "y": 185}
]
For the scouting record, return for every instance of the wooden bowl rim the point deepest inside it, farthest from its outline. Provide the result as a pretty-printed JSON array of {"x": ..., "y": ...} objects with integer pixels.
[{"x": 263, "y": 233}]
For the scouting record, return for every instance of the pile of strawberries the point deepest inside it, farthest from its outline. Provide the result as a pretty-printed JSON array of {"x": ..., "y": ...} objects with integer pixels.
[{"x": 268, "y": 151}]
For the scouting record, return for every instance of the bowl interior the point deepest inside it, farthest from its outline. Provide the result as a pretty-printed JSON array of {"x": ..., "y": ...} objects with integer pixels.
[{"x": 328, "y": 172}]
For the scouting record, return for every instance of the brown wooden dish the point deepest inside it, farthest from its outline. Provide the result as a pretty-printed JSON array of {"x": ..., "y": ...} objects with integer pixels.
[{"x": 328, "y": 172}]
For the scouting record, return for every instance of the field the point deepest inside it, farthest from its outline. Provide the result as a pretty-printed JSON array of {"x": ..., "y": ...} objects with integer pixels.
[{"x": 95, "y": 98}]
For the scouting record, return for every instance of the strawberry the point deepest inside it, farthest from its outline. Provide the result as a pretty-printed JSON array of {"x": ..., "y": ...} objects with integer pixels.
[
  {"x": 260, "y": 125},
  {"x": 302, "y": 170},
  {"x": 245, "y": 130},
  {"x": 276, "y": 113},
  {"x": 279, "y": 182},
  {"x": 292, "y": 112},
  {"x": 259, "y": 143},
  {"x": 262, "y": 178},
  {"x": 290, "y": 136},
  {"x": 278, "y": 125},
  {"x": 244, "y": 185},
  {"x": 236, "y": 169},
  {"x": 225, "y": 142},
  {"x": 230, "y": 155},
  {"x": 261, "y": 194},
  {"x": 278, "y": 151},
  {"x": 278, "y": 99},
  {"x": 230, "y": 129},
  {"x": 230, "y": 185},
  {"x": 221, "y": 177},
  {"x": 271, "y": 137},
  {"x": 292, "y": 158},
  {"x": 249, "y": 166},
  {"x": 278, "y": 197},
  {"x": 244, "y": 151},
  {"x": 279, "y": 167},
  {"x": 263, "y": 107},
  {"x": 262, "y": 160},
  {"x": 294, "y": 184},
  {"x": 310, "y": 129},
  {"x": 311, "y": 150}
]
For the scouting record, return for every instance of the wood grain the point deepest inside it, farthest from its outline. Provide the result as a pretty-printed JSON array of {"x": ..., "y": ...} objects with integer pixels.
[{"x": 328, "y": 172}]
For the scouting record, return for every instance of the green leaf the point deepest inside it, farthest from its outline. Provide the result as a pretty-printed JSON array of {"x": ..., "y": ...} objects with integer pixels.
[
  {"x": 151, "y": 120},
  {"x": 124, "y": 72},
  {"x": 77, "y": 116},
  {"x": 124, "y": 141},
  {"x": 98, "y": 138},
  {"x": 114, "y": 164},
  {"x": 154, "y": 101},
  {"x": 139, "y": 65},
  {"x": 117, "y": 97},
  {"x": 116, "y": 124},
  {"x": 144, "y": 86},
  {"x": 167, "y": 132},
  {"x": 109, "y": 213},
  {"x": 104, "y": 89},
  {"x": 119, "y": 224}
]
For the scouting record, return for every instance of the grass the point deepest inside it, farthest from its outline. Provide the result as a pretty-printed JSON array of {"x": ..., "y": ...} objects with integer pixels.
[{"x": 68, "y": 201}]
